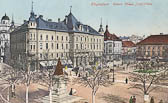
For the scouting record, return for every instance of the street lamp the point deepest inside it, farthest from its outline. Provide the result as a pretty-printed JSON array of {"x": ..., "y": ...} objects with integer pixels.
[{"x": 113, "y": 61}]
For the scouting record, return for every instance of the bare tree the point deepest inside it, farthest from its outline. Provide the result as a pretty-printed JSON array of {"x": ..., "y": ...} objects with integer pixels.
[
  {"x": 47, "y": 74},
  {"x": 9, "y": 76},
  {"x": 146, "y": 76},
  {"x": 28, "y": 75},
  {"x": 94, "y": 78}
]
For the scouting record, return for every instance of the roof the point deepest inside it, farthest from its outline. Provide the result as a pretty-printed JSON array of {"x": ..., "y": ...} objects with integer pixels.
[
  {"x": 109, "y": 36},
  {"x": 5, "y": 17},
  {"x": 69, "y": 24},
  {"x": 59, "y": 68},
  {"x": 128, "y": 44},
  {"x": 155, "y": 40}
]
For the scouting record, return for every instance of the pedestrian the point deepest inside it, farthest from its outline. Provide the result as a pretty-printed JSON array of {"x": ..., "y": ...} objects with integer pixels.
[
  {"x": 130, "y": 101},
  {"x": 13, "y": 90},
  {"x": 152, "y": 100},
  {"x": 134, "y": 99},
  {"x": 70, "y": 93},
  {"x": 161, "y": 101},
  {"x": 126, "y": 80}
]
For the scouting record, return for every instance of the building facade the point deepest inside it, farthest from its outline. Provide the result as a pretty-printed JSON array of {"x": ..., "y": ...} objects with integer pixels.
[
  {"x": 128, "y": 51},
  {"x": 112, "y": 46},
  {"x": 153, "y": 47},
  {"x": 69, "y": 40},
  {"x": 5, "y": 27}
]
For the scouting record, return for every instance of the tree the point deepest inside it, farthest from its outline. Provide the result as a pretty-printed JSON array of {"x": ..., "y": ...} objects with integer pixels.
[
  {"x": 94, "y": 78},
  {"x": 28, "y": 75},
  {"x": 147, "y": 75},
  {"x": 9, "y": 76},
  {"x": 47, "y": 74}
]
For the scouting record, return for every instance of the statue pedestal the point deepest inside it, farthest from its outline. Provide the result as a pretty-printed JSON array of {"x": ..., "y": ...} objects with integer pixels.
[{"x": 59, "y": 93}]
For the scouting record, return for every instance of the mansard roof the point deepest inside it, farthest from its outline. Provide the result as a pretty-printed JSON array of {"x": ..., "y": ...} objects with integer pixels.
[{"x": 69, "y": 24}]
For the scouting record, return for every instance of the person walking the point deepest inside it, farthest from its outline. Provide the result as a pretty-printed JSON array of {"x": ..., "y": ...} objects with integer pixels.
[
  {"x": 152, "y": 100},
  {"x": 126, "y": 80},
  {"x": 130, "y": 101}
]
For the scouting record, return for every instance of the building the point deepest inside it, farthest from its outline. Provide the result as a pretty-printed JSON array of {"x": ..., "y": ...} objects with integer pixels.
[
  {"x": 69, "y": 40},
  {"x": 5, "y": 27},
  {"x": 128, "y": 51},
  {"x": 128, "y": 47},
  {"x": 112, "y": 46},
  {"x": 153, "y": 47}
]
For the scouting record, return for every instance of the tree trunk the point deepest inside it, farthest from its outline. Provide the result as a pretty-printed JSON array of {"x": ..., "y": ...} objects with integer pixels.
[
  {"x": 50, "y": 94},
  {"x": 27, "y": 94},
  {"x": 8, "y": 94},
  {"x": 93, "y": 97},
  {"x": 146, "y": 98}
]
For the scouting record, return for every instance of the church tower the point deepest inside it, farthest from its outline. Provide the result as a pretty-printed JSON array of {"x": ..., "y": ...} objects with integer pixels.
[{"x": 101, "y": 31}]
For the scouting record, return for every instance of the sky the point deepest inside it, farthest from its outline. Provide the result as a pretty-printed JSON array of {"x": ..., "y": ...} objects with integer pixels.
[{"x": 139, "y": 17}]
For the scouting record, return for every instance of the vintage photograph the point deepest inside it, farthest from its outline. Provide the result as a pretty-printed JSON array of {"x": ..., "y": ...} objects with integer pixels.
[{"x": 83, "y": 51}]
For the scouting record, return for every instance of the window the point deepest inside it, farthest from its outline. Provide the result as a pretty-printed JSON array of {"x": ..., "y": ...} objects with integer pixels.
[
  {"x": 62, "y": 46},
  {"x": 97, "y": 46},
  {"x": 41, "y": 56},
  {"x": 52, "y": 46},
  {"x": 30, "y": 36},
  {"x": 41, "y": 45},
  {"x": 66, "y": 46},
  {"x": 34, "y": 36},
  {"x": 41, "y": 37},
  {"x": 46, "y": 37},
  {"x": 62, "y": 38},
  {"x": 52, "y": 55},
  {"x": 31, "y": 47},
  {"x": 76, "y": 38},
  {"x": 85, "y": 39},
  {"x": 76, "y": 46},
  {"x": 94, "y": 46},
  {"x": 61, "y": 54},
  {"x": 57, "y": 37},
  {"x": 81, "y": 38},
  {"x": 52, "y": 37},
  {"x": 66, "y": 38},
  {"x": 57, "y": 55},
  {"x": 57, "y": 46},
  {"x": 46, "y": 45},
  {"x": 34, "y": 47},
  {"x": 81, "y": 46}
]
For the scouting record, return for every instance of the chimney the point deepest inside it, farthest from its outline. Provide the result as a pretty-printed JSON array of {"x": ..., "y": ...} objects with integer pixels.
[
  {"x": 41, "y": 16},
  {"x": 50, "y": 20},
  {"x": 66, "y": 19},
  {"x": 24, "y": 21},
  {"x": 161, "y": 33},
  {"x": 58, "y": 19}
]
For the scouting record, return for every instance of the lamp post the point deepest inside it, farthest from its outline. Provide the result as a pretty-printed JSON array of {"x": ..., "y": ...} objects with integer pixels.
[{"x": 113, "y": 61}]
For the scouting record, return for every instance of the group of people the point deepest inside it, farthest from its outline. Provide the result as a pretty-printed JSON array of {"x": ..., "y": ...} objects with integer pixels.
[{"x": 132, "y": 99}]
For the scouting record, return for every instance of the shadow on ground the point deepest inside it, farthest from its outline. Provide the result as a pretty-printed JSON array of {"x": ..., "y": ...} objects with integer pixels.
[{"x": 109, "y": 98}]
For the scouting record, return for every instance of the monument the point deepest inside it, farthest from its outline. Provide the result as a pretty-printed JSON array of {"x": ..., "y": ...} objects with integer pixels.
[{"x": 60, "y": 93}]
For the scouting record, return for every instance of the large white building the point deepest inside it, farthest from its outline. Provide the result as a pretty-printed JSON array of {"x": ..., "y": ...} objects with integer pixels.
[
  {"x": 69, "y": 40},
  {"x": 5, "y": 27},
  {"x": 112, "y": 46}
]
